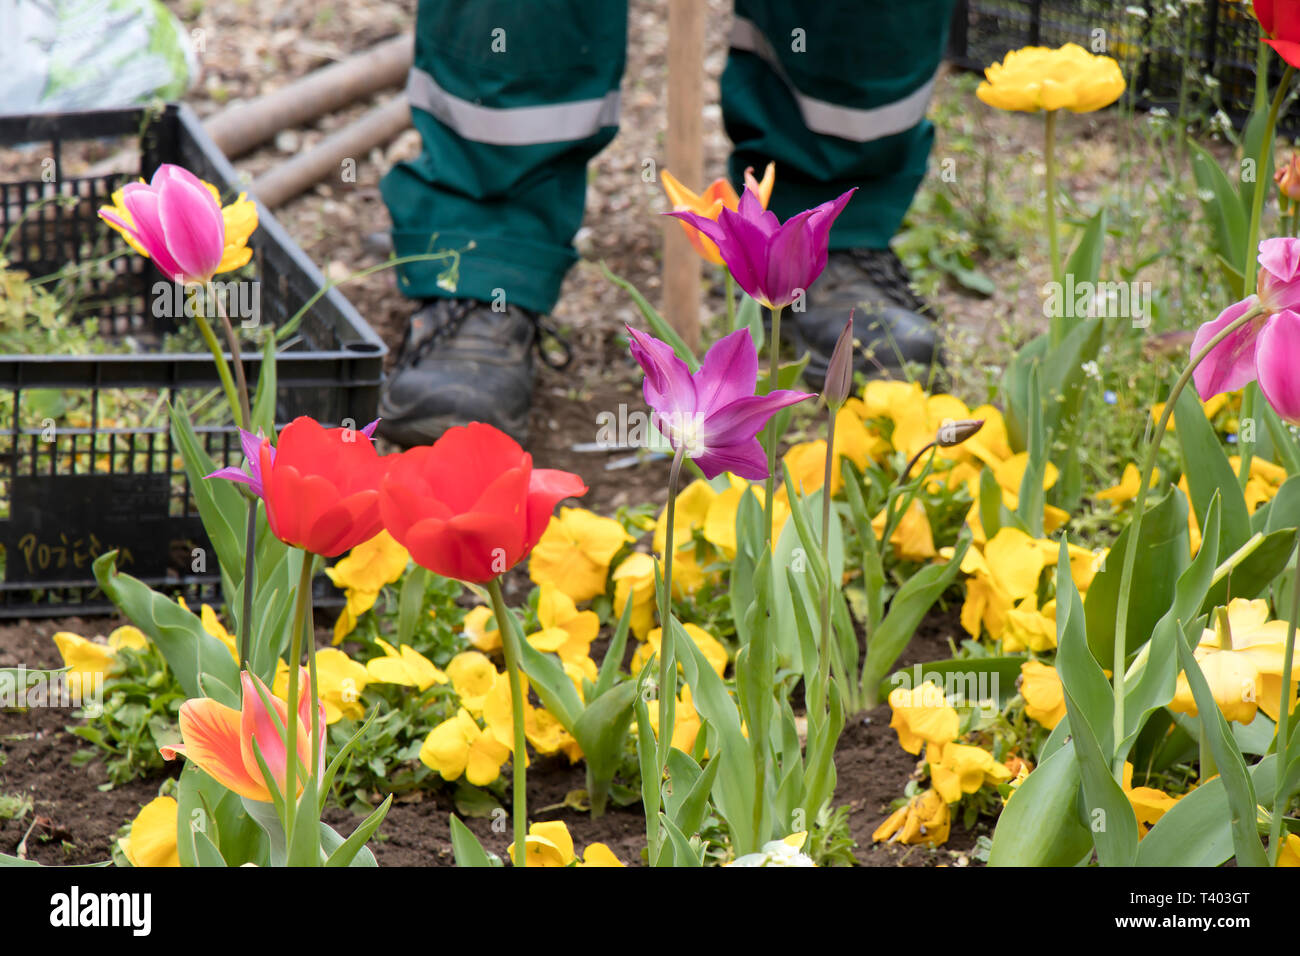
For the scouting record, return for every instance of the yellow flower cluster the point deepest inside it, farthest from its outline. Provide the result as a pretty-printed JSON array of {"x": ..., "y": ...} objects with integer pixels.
[
  {"x": 93, "y": 658},
  {"x": 922, "y": 716},
  {"x": 363, "y": 574},
  {"x": 1002, "y": 588},
  {"x": 550, "y": 844}
]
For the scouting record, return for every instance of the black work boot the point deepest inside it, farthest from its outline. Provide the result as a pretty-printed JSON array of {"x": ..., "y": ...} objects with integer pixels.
[
  {"x": 890, "y": 321},
  {"x": 461, "y": 362}
]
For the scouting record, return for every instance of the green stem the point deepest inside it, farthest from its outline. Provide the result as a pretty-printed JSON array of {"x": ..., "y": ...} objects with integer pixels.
[
  {"x": 223, "y": 369},
  {"x": 519, "y": 759},
  {"x": 667, "y": 649},
  {"x": 291, "y": 728},
  {"x": 1135, "y": 528},
  {"x": 244, "y": 416},
  {"x": 250, "y": 554},
  {"x": 1053, "y": 239},
  {"x": 769, "y": 486},
  {"x": 1283, "y": 739}
]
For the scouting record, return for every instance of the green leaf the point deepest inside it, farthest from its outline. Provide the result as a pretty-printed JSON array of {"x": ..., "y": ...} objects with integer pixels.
[
  {"x": 1232, "y": 767},
  {"x": 1196, "y": 830},
  {"x": 205, "y": 851},
  {"x": 549, "y": 680},
  {"x": 263, "y": 410},
  {"x": 1040, "y": 825},
  {"x": 1283, "y": 442},
  {"x": 1224, "y": 211},
  {"x": 1207, "y": 471},
  {"x": 1249, "y": 571},
  {"x": 304, "y": 841},
  {"x": 410, "y": 602},
  {"x": 601, "y": 732},
  {"x": 749, "y": 315},
  {"x": 465, "y": 845},
  {"x": 1162, "y": 556},
  {"x": 1085, "y": 261},
  {"x": 353, "y": 845},
  {"x": 191, "y": 652},
  {"x": 1032, "y": 497},
  {"x": 613, "y": 659},
  {"x": 220, "y": 503},
  {"x": 658, "y": 324}
]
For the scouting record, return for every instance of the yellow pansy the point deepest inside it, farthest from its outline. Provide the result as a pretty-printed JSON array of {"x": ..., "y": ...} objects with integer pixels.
[
  {"x": 1037, "y": 78},
  {"x": 1211, "y": 406},
  {"x": 1029, "y": 628},
  {"x": 1149, "y": 804},
  {"x": 924, "y": 820},
  {"x": 86, "y": 659},
  {"x": 1010, "y": 473},
  {"x": 720, "y": 522},
  {"x": 712, "y": 649},
  {"x": 459, "y": 746},
  {"x": 634, "y": 579},
  {"x": 541, "y": 728},
  {"x": 1245, "y": 677},
  {"x": 152, "y": 838},
  {"x": 961, "y": 768},
  {"x": 340, "y": 681},
  {"x": 212, "y": 624},
  {"x": 405, "y": 666},
  {"x": 1128, "y": 486},
  {"x": 922, "y": 716},
  {"x": 1040, "y": 686},
  {"x": 472, "y": 675},
  {"x": 575, "y": 551},
  {"x": 853, "y": 440},
  {"x": 566, "y": 631},
  {"x": 1263, "y": 483},
  {"x": 549, "y": 844},
  {"x": 363, "y": 573},
  {"x": 686, "y": 722},
  {"x": 912, "y": 538},
  {"x": 1290, "y": 853},
  {"x": 480, "y": 627}
]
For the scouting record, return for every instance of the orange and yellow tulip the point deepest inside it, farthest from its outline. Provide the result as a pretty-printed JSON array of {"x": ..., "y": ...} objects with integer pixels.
[
  {"x": 219, "y": 739},
  {"x": 718, "y": 196}
]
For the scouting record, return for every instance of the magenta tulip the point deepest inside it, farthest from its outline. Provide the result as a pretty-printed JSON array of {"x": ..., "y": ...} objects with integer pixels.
[
  {"x": 714, "y": 413},
  {"x": 174, "y": 220},
  {"x": 775, "y": 263}
]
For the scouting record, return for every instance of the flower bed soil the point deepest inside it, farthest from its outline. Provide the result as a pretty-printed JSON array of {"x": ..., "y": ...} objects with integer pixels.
[{"x": 74, "y": 821}]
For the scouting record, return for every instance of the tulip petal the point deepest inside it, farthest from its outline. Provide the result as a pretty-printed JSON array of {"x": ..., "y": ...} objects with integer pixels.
[
  {"x": 191, "y": 221},
  {"x": 547, "y": 487},
  {"x": 142, "y": 203},
  {"x": 1275, "y": 359},
  {"x": 729, "y": 371},
  {"x": 668, "y": 387},
  {"x": 1232, "y": 362},
  {"x": 746, "y": 417},
  {"x": 211, "y": 732},
  {"x": 746, "y": 459}
]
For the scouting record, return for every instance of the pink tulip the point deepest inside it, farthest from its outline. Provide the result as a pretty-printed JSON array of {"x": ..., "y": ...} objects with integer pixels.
[
  {"x": 1263, "y": 349},
  {"x": 176, "y": 221}
]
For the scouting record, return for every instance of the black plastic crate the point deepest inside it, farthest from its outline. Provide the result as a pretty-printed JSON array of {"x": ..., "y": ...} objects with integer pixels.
[
  {"x": 72, "y": 490},
  {"x": 1224, "y": 42}
]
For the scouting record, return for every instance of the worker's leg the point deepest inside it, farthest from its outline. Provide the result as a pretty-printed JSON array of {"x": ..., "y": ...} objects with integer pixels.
[
  {"x": 836, "y": 93},
  {"x": 511, "y": 99}
]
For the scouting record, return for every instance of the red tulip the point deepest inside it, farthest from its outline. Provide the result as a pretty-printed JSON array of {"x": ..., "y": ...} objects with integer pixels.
[
  {"x": 471, "y": 506},
  {"x": 321, "y": 487},
  {"x": 1281, "y": 21}
]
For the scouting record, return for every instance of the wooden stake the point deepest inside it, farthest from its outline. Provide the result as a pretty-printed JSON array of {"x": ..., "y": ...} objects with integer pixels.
[{"x": 682, "y": 267}]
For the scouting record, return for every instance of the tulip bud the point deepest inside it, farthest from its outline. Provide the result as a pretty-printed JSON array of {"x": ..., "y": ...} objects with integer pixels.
[
  {"x": 839, "y": 373},
  {"x": 955, "y": 432},
  {"x": 1288, "y": 178}
]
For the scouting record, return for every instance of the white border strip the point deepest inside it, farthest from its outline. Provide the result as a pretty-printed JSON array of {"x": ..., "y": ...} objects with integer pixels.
[
  {"x": 514, "y": 126},
  {"x": 860, "y": 126}
]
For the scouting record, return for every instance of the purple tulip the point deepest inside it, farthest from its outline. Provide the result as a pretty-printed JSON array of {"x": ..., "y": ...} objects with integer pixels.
[
  {"x": 714, "y": 413},
  {"x": 251, "y": 444},
  {"x": 1263, "y": 349},
  {"x": 772, "y": 262}
]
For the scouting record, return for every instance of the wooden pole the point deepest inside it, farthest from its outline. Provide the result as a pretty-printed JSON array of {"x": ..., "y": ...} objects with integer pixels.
[
  {"x": 237, "y": 129},
  {"x": 682, "y": 267},
  {"x": 327, "y": 157}
]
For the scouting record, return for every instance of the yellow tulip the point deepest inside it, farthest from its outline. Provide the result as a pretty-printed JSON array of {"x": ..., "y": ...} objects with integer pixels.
[
  {"x": 1037, "y": 78},
  {"x": 152, "y": 838},
  {"x": 575, "y": 552}
]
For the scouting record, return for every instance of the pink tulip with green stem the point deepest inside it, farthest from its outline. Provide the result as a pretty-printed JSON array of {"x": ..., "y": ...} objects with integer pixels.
[{"x": 712, "y": 417}]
